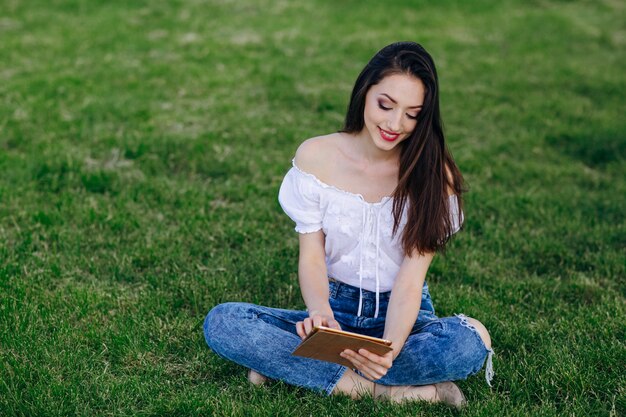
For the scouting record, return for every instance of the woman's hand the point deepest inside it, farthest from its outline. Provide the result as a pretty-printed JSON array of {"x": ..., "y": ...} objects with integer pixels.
[
  {"x": 303, "y": 328},
  {"x": 371, "y": 365}
]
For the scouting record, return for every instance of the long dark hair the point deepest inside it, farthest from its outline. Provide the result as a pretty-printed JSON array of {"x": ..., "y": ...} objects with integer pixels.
[{"x": 427, "y": 170}]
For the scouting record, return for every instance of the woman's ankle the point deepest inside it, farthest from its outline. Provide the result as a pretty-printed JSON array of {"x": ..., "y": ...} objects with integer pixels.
[{"x": 354, "y": 385}]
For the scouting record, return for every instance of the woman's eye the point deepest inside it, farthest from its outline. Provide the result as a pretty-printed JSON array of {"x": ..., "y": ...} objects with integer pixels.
[
  {"x": 412, "y": 117},
  {"x": 380, "y": 105}
]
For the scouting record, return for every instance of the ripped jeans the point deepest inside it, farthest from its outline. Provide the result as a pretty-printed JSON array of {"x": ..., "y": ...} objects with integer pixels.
[{"x": 262, "y": 339}]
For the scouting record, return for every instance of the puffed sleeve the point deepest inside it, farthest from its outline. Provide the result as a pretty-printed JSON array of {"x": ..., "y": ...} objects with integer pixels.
[
  {"x": 455, "y": 219},
  {"x": 299, "y": 196}
]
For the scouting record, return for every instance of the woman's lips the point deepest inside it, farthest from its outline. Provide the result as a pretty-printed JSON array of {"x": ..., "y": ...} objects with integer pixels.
[{"x": 388, "y": 136}]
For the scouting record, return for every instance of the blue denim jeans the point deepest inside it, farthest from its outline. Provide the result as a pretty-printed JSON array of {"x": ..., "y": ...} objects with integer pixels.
[{"x": 262, "y": 339}]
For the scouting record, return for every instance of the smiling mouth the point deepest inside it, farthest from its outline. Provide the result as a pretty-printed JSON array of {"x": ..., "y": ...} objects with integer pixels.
[{"x": 388, "y": 136}]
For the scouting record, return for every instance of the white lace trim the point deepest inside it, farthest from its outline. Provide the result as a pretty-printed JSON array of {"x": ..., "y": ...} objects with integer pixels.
[{"x": 332, "y": 187}]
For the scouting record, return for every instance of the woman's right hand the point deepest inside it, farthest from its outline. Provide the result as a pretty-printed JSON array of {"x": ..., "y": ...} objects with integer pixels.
[{"x": 303, "y": 328}]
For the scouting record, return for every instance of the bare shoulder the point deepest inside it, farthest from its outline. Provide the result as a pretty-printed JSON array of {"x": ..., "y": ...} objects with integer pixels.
[{"x": 317, "y": 155}]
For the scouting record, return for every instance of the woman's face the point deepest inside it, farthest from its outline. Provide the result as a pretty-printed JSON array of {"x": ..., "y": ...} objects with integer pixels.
[{"x": 391, "y": 109}]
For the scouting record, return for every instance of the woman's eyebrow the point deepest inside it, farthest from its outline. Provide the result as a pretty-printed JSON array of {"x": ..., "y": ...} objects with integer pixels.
[{"x": 410, "y": 107}]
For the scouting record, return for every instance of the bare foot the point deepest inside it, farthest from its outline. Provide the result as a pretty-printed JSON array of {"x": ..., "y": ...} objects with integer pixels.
[
  {"x": 354, "y": 385},
  {"x": 444, "y": 392},
  {"x": 402, "y": 393},
  {"x": 449, "y": 393},
  {"x": 256, "y": 378}
]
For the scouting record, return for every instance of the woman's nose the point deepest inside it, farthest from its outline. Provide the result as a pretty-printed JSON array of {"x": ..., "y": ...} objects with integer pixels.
[{"x": 394, "y": 122}]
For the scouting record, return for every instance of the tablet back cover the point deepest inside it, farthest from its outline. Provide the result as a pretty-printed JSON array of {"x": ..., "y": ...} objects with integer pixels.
[{"x": 326, "y": 346}]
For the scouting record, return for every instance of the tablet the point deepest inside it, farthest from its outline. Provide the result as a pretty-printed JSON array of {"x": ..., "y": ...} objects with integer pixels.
[{"x": 326, "y": 344}]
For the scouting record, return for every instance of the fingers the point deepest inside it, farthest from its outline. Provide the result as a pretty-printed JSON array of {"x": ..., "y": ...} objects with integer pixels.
[
  {"x": 369, "y": 372},
  {"x": 372, "y": 366},
  {"x": 300, "y": 330},
  {"x": 304, "y": 327},
  {"x": 333, "y": 324},
  {"x": 326, "y": 321},
  {"x": 384, "y": 361},
  {"x": 308, "y": 325}
]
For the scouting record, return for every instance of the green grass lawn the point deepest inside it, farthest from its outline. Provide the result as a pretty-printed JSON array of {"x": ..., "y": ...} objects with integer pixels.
[{"x": 142, "y": 144}]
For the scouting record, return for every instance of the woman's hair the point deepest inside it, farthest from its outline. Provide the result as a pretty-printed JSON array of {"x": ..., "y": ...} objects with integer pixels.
[{"x": 427, "y": 170}]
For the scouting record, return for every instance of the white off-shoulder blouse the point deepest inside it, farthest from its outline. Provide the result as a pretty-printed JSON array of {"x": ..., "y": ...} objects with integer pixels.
[{"x": 360, "y": 249}]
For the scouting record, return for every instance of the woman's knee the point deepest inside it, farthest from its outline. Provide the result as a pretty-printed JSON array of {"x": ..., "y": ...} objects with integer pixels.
[
  {"x": 482, "y": 331},
  {"x": 217, "y": 320}
]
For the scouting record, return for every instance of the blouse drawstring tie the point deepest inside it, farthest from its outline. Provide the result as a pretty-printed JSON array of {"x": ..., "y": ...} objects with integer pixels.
[
  {"x": 363, "y": 240},
  {"x": 377, "y": 253},
  {"x": 361, "y": 265}
]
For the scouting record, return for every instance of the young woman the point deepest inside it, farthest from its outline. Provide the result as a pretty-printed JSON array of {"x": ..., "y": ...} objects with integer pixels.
[{"x": 372, "y": 204}]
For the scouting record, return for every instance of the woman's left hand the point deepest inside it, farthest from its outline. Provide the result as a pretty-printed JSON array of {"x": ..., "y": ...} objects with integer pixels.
[{"x": 371, "y": 365}]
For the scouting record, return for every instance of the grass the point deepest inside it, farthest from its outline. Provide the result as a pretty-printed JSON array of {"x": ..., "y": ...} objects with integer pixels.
[{"x": 141, "y": 149}]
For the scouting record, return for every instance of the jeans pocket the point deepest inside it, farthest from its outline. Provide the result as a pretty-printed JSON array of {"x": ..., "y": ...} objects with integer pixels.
[
  {"x": 342, "y": 305},
  {"x": 435, "y": 327},
  {"x": 424, "y": 330}
]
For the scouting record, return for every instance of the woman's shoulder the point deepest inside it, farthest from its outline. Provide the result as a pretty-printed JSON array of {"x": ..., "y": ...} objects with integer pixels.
[{"x": 317, "y": 155}]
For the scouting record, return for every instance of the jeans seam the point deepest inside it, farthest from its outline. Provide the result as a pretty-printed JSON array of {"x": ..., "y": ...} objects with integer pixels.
[
  {"x": 277, "y": 317},
  {"x": 333, "y": 382}
]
